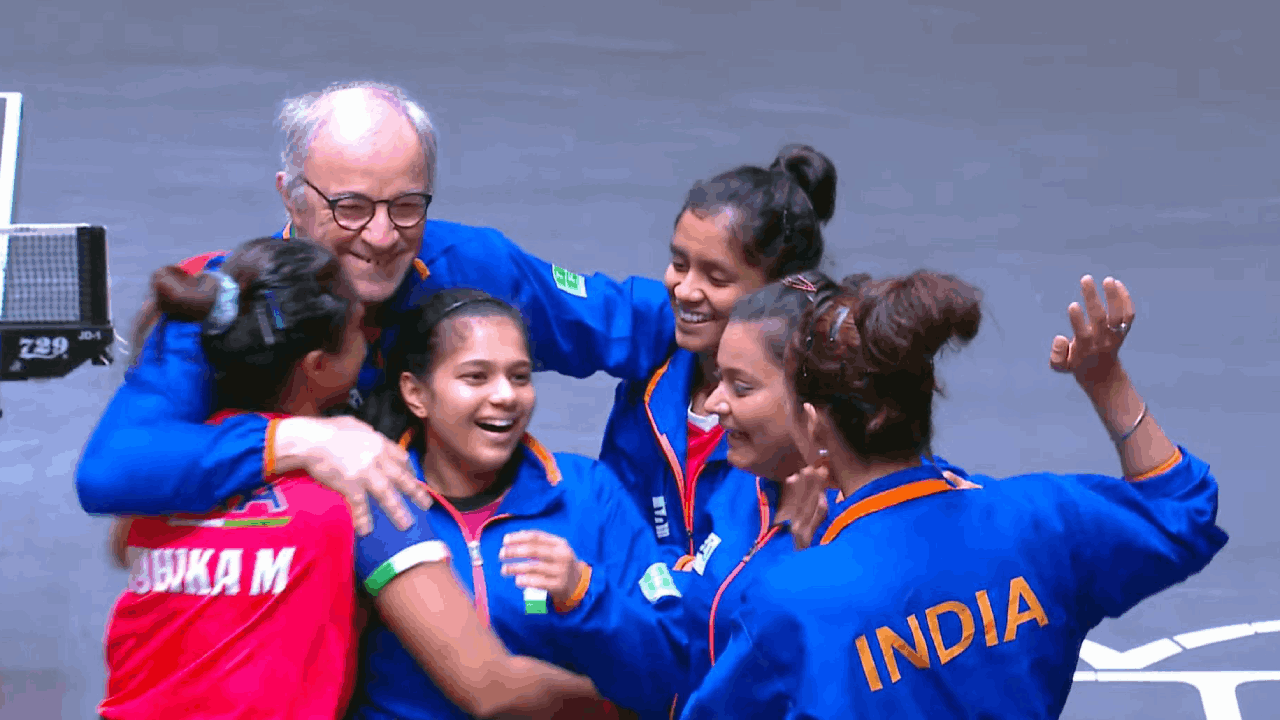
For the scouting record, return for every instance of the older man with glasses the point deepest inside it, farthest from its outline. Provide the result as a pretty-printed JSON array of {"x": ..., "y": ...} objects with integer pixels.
[{"x": 359, "y": 172}]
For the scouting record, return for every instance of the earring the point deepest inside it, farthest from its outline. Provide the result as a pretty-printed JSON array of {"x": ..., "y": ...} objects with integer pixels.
[{"x": 822, "y": 452}]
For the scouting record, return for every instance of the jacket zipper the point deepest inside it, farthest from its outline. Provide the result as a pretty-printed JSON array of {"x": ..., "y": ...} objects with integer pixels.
[
  {"x": 692, "y": 494},
  {"x": 711, "y": 624},
  {"x": 480, "y": 588},
  {"x": 688, "y": 505}
]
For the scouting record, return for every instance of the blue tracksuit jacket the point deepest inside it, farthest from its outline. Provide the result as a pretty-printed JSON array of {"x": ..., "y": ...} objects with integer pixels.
[
  {"x": 926, "y": 600},
  {"x": 607, "y": 634}
]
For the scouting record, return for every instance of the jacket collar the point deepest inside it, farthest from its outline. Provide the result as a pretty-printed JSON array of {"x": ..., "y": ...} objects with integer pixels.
[
  {"x": 666, "y": 401},
  {"x": 883, "y": 493},
  {"x": 536, "y": 488}
]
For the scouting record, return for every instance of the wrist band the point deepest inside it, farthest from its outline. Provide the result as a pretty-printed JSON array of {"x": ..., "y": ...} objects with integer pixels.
[{"x": 1141, "y": 416}]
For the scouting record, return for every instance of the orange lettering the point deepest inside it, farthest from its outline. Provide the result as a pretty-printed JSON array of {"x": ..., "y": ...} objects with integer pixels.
[
  {"x": 868, "y": 664},
  {"x": 988, "y": 619},
  {"x": 945, "y": 654},
  {"x": 1019, "y": 590},
  {"x": 890, "y": 641}
]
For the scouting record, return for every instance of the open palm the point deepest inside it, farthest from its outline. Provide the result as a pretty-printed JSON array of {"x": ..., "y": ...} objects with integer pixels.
[{"x": 1100, "y": 329}]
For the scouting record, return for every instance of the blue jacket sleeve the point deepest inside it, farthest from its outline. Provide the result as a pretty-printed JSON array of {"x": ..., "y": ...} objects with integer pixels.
[
  {"x": 152, "y": 453},
  {"x": 387, "y": 552},
  {"x": 632, "y": 602},
  {"x": 757, "y": 674},
  {"x": 1136, "y": 538},
  {"x": 578, "y": 325}
]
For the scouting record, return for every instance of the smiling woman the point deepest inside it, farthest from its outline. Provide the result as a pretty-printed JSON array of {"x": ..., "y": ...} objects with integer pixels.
[
  {"x": 1036, "y": 561},
  {"x": 740, "y": 230},
  {"x": 460, "y": 380},
  {"x": 733, "y": 234},
  {"x": 523, "y": 526}
]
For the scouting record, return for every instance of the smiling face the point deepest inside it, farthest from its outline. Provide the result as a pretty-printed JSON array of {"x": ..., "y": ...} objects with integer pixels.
[
  {"x": 477, "y": 401},
  {"x": 754, "y": 402},
  {"x": 707, "y": 275},
  {"x": 374, "y": 152}
]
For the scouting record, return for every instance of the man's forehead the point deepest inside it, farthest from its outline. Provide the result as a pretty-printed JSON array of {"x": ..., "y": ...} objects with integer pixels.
[
  {"x": 357, "y": 120},
  {"x": 377, "y": 144}
]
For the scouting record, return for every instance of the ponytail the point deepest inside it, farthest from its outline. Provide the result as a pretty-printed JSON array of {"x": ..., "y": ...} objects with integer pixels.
[{"x": 270, "y": 304}]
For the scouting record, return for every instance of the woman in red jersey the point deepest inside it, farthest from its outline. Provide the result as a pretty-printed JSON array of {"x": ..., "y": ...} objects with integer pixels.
[{"x": 250, "y": 610}]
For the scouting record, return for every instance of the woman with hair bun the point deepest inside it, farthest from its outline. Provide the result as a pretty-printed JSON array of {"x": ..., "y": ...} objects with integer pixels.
[
  {"x": 753, "y": 404},
  {"x": 734, "y": 234},
  {"x": 929, "y": 596},
  {"x": 250, "y": 610}
]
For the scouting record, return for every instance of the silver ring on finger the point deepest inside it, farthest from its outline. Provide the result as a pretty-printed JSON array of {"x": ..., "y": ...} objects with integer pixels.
[{"x": 1122, "y": 329}]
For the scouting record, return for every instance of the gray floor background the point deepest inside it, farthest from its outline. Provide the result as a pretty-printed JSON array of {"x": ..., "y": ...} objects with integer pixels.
[{"x": 1020, "y": 144}]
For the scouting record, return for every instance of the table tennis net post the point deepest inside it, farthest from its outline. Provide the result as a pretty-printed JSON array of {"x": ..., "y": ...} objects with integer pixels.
[{"x": 55, "y": 307}]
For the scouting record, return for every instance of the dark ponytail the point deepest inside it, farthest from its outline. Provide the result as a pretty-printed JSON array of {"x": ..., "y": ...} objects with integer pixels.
[
  {"x": 867, "y": 357},
  {"x": 423, "y": 336},
  {"x": 293, "y": 298},
  {"x": 778, "y": 212}
]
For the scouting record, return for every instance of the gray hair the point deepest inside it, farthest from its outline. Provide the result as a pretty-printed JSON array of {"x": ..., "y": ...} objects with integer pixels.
[{"x": 301, "y": 117}]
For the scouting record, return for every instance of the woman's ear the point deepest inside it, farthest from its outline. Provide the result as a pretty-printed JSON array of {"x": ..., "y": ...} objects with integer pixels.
[
  {"x": 819, "y": 433},
  {"x": 812, "y": 424},
  {"x": 313, "y": 365},
  {"x": 802, "y": 433},
  {"x": 414, "y": 393}
]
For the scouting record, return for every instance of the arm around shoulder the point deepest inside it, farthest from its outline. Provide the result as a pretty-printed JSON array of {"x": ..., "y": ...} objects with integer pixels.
[
  {"x": 578, "y": 324},
  {"x": 161, "y": 470}
]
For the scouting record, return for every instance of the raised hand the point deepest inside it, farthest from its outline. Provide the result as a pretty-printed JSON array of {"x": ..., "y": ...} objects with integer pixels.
[{"x": 1100, "y": 329}]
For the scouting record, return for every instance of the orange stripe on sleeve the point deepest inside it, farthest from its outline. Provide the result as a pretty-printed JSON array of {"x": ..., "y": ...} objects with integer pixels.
[
  {"x": 1160, "y": 469},
  {"x": 269, "y": 449},
  {"x": 579, "y": 592}
]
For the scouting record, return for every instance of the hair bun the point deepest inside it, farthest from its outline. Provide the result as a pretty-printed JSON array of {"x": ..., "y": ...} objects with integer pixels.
[{"x": 814, "y": 173}]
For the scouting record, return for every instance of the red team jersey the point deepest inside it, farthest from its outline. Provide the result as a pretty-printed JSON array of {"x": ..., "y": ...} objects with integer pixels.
[{"x": 249, "y": 612}]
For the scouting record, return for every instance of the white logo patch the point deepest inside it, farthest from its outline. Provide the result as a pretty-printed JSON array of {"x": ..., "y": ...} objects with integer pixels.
[
  {"x": 660, "y": 525},
  {"x": 704, "y": 553}
]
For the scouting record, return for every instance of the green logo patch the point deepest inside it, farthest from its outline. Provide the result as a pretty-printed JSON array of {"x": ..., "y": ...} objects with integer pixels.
[
  {"x": 657, "y": 583},
  {"x": 570, "y": 282}
]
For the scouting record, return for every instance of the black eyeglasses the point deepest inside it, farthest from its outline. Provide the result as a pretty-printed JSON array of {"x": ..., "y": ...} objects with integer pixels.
[{"x": 354, "y": 211}]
